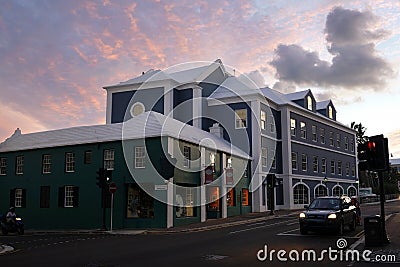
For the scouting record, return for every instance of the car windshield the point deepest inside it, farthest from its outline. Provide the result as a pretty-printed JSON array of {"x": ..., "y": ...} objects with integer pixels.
[{"x": 325, "y": 204}]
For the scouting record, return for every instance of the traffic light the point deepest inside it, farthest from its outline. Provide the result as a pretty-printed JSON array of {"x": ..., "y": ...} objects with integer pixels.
[
  {"x": 103, "y": 177},
  {"x": 363, "y": 155},
  {"x": 378, "y": 153}
]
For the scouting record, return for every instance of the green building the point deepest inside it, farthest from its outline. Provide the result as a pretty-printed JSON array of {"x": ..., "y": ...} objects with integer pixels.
[{"x": 50, "y": 177}]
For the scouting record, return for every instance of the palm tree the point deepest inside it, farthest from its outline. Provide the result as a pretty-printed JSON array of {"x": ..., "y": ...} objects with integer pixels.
[{"x": 360, "y": 132}]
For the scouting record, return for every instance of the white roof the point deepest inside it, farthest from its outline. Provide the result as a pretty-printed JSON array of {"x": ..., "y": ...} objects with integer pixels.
[
  {"x": 233, "y": 87},
  {"x": 394, "y": 161},
  {"x": 148, "y": 124},
  {"x": 323, "y": 104},
  {"x": 297, "y": 95}
]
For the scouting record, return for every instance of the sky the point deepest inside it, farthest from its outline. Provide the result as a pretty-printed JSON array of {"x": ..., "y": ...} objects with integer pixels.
[{"x": 57, "y": 55}]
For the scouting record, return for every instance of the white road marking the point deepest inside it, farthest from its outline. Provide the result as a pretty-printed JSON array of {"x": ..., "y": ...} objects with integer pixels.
[{"x": 258, "y": 227}]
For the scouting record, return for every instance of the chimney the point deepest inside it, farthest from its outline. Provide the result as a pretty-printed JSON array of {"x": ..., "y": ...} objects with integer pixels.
[{"x": 217, "y": 130}]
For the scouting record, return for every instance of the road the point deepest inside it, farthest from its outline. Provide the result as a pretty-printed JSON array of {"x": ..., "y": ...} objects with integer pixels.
[{"x": 230, "y": 246}]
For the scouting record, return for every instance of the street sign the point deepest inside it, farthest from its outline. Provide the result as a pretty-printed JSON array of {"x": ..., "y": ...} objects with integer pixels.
[{"x": 112, "y": 188}]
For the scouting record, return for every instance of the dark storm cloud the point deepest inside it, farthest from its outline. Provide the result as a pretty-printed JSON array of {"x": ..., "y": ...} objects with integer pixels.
[{"x": 351, "y": 37}]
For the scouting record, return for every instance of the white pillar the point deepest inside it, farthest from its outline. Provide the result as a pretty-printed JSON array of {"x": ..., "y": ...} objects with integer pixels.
[
  {"x": 286, "y": 158},
  {"x": 256, "y": 179},
  {"x": 197, "y": 106},
  {"x": 203, "y": 211},
  {"x": 109, "y": 107},
  {"x": 223, "y": 188},
  {"x": 170, "y": 203}
]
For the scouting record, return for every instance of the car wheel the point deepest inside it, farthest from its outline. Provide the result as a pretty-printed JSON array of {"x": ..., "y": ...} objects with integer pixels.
[
  {"x": 340, "y": 228},
  {"x": 303, "y": 231},
  {"x": 353, "y": 224},
  {"x": 21, "y": 231}
]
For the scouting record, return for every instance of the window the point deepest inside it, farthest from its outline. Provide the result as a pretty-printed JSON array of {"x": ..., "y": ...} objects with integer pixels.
[
  {"x": 352, "y": 146},
  {"x": 293, "y": 127},
  {"x": 332, "y": 167},
  {"x": 315, "y": 164},
  {"x": 68, "y": 196},
  {"x": 245, "y": 196},
  {"x": 19, "y": 168},
  {"x": 88, "y": 157},
  {"x": 140, "y": 157},
  {"x": 347, "y": 168},
  {"x": 69, "y": 162},
  {"x": 323, "y": 165},
  {"x": 300, "y": 194},
  {"x": 337, "y": 191},
  {"x": 186, "y": 156},
  {"x": 46, "y": 164},
  {"x": 314, "y": 133},
  {"x": 109, "y": 159},
  {"x": 353, "y": 170},
  {"x": 139, "y": 203},
  {"x": 185, "y": 202},
  {"x": 330, "y": 112},
  {"x": 303, "y": 130},
  {"x": 304, "y": 162},
  {"x": 338, "y": 140},
  {"x": 263, "y": 157},
  {"x": 351, "y": 191},
  {"x": 321, "y": 191},
  {"x": 322, "y": 135},
  {"x": 3, "y": 166},
  {"x": 137, "y": 109},
  {"x": 346, "y": 143},
  {"x": 339, "y": 167},
  {"x": 263, "y": 116},
  {"x": 45, "y": 197},
  {"x": 272, "y": 124},
  {"x": 331, "y": 138},
  {"x": 18, "y": 198},
  {"x": 294, "y": 160},
  {"x": 241, "y": 118},
  {"x": 273, "y": 157},
  {"x": 230, "y": 198},
  {"x": 309, "y": 103}
]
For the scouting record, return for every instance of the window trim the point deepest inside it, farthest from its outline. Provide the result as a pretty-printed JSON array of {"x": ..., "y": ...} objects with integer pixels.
[
  {"x": 142, "y": 158},
  {"x": 109, "y": 159},
  {"x": 315, "y": 164},
  {"x": 303, "y": 130},
  {"x": 293, "y": 124},
  {"x": 19, "y": 165},
  {"x": 314, "y": 131},
  {"x": 264, "y": 157},
  {"x": 295, "y": 160},
  {"x": 69, "y": 162},
  {"x": 263, "y": 120},
  {"x": 186, "y": 156},
  {"x": 46, "y": 163},
  {"x": 18, "y": 197},
  {"x": 316, "y": 189},
  {"x": 304, "y": 162},
  {"x": 295, "y": 195},
  {"x": 3, "y": 166}
]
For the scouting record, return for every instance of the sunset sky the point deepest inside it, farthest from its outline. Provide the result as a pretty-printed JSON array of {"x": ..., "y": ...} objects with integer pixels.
[{"x": 56, "y": 55}]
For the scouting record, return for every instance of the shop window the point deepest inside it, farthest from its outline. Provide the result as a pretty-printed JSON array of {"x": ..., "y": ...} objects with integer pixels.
[
  {"x": 185, "y": 202},
  {"x": 337, "y": 191},
  {"x": 213, "y": 198},
  {"x": 230, "y": 198},
  {"x": 245, "y": 196},
  {"x": 351, "y": 191},
  {"x": 321, "y": 191},
  {"x": 140, "y": 204}
]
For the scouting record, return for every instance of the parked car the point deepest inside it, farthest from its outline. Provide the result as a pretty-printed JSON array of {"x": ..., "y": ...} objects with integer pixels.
[
  {"x": 328, "y": 214},
  {"x": 366, "y": 195}
]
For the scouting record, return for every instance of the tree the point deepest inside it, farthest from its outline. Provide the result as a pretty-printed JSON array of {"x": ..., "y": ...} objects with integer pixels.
[{"x": 360, "y": 132}]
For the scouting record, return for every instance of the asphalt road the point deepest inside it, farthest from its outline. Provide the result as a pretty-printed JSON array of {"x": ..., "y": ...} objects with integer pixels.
[{"x": 231, "y": 246}]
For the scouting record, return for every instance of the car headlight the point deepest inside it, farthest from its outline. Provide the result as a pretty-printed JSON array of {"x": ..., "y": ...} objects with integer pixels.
[
  {"x": 332, "y": 216},
  {"x": 17, "y": 219},
  {"x": 302, "y": 215}
]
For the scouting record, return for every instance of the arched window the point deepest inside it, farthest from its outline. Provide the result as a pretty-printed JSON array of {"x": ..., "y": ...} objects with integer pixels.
[
  {"x": 300, "y": 194},
  {"x": 351, "y": 191},
  {"x": 337, "y": 191},
  {"x": 321, "y": 191}
]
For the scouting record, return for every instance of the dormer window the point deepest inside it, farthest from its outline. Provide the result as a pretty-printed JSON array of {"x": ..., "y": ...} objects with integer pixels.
[
  {"x": 309, "y": 103},
  {"x": 330, "y": 112}
]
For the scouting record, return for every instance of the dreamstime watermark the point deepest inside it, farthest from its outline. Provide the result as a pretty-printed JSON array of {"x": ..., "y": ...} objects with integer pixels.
[{"x": 341, "y": 253}]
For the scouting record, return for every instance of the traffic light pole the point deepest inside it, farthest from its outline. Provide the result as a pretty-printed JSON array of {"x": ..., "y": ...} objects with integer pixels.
[
  {"x": 385, "y": 239},
  {"x": 103, "y": 196}
]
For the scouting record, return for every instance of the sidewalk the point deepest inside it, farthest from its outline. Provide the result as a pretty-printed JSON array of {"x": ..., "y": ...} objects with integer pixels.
[{"x": 391, "y": 250}]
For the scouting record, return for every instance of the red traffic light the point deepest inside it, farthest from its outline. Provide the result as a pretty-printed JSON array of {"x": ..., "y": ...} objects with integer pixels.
[{"x": 371, "y": 145}]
